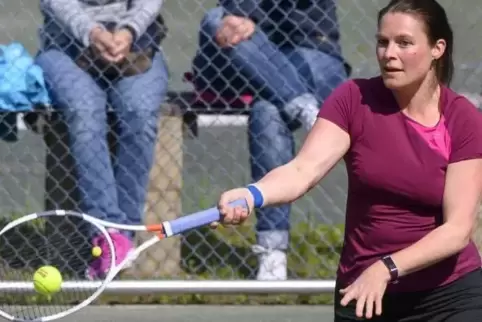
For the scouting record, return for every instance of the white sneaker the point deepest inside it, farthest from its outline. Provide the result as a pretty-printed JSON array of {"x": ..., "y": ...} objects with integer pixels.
[
  {"x": 272, "y": 264},
  {"x": 306, "y": 109}
]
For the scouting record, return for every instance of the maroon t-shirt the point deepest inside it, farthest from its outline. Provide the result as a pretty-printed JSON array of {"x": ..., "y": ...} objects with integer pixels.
[{"x": 396, "y": 176}]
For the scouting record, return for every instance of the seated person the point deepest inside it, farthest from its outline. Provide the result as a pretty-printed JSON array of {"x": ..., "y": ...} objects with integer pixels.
[
  {"x": 96, "y": 54},
  {"x": 287, "y": 53}
]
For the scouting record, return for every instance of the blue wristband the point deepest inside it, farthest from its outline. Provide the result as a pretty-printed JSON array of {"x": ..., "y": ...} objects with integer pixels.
[{"x": 257, "y": 196}]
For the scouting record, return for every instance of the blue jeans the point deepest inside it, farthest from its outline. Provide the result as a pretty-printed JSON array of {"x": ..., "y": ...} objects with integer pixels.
[
  {"x": 113, "y": 191},
  {"x": 255, "y": 65},
  {"x": 280, "y": 75},
  {"x": 271, "y": 142}
]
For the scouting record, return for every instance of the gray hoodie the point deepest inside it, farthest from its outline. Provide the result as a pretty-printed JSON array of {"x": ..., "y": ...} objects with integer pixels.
[{"x": 75, "y": 18}]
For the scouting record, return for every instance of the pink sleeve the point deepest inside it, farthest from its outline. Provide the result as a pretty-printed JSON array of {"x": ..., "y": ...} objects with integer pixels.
[
  {"x": 337, "y": 108},
  {"x": 466, "y": 134}
]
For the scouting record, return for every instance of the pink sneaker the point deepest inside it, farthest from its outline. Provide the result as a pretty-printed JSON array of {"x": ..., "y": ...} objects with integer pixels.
[{"x": 99, "y": 267}]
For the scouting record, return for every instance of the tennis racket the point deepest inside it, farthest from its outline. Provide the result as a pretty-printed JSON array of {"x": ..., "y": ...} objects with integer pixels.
[{"x": 16, "y": 305}]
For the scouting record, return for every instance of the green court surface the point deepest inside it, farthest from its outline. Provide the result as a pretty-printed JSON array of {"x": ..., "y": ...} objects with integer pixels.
[{"x": 204, "y": 313}]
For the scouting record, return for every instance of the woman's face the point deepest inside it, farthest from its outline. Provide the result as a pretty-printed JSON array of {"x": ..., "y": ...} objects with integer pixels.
[{"x": 404, "y": 52}]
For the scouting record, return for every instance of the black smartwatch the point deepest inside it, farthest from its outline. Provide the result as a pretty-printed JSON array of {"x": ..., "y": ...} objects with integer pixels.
[{"x": 392, "y": 268}]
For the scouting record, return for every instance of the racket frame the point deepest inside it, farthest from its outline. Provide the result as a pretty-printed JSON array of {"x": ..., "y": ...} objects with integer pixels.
[{"x": 161, "y": 231}]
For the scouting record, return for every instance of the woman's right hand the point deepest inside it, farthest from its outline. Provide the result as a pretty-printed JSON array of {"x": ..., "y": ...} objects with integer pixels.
[
  {"x": 234, "y": 30},
  {"x": 234, "y": 215}
]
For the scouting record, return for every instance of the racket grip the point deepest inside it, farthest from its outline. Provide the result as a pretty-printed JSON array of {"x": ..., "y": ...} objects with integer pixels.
[{"x": 198, "y": 219}]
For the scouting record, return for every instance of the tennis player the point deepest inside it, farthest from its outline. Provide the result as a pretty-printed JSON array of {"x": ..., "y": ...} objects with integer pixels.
[{"x": 413, "y": 152}]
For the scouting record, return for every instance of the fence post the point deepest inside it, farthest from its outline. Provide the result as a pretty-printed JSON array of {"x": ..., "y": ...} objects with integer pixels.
[{"x": 163, "y": 200}]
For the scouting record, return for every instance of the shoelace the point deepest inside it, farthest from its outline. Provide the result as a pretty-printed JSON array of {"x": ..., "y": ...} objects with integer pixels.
[{"x": 260, "y": 250}]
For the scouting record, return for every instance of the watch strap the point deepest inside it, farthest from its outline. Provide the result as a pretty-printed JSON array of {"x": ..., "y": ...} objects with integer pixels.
[{"x": 392, "y": 268}]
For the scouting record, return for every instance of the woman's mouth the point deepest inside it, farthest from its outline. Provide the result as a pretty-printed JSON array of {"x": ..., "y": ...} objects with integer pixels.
[{"x": 391, "y": 69}]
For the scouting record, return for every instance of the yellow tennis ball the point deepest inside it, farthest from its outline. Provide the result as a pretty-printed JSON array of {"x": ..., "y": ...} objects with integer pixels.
[
  {"x": 47, "y": 280},
  {"x": 96, "y": 251}
]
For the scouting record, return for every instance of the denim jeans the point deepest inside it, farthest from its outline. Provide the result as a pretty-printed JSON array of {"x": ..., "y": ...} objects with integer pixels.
[
  {"x": 280, "y": 74},
  {"x": 113, "y": 191},
  {"x": 255, "y": 65}
]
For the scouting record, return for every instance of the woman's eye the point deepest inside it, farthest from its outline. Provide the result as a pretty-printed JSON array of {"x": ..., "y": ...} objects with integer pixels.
[{"x": 382, "y": 42}]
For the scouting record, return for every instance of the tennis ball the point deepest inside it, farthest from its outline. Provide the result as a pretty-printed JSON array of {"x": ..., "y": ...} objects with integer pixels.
[
  {"x": 96, "y": 251},
  {"x": 47, "y": 280}
]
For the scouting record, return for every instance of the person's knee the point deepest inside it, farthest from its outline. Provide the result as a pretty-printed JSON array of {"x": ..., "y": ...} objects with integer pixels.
[
  {"x": 75, "y": 94},
  {"x": 139, "y": 115},
  {"x": 265, "y": 114},
  {"x": 271, "y": 141},
  {"x": 50, "y": 59},
  {"x": 57, "y": 66},
  {"x": 328, "y": 73},
  {"x": 69, "y": 87},
  {"x": 53, "y": 63},
  {"x": 267, "y": 119},
  {"x": 211, "y": 22},
  {"x": 139, "y": 100}
]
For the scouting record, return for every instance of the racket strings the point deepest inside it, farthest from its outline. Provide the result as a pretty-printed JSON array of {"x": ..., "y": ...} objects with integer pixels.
[{"x": 61, "y": 242}]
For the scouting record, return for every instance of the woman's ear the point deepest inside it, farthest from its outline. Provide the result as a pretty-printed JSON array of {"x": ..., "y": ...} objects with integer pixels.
[{"x": 438, "y": 49}]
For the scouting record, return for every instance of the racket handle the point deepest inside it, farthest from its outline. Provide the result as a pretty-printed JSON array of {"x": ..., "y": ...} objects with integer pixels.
[{"x": 198, "y": 219}]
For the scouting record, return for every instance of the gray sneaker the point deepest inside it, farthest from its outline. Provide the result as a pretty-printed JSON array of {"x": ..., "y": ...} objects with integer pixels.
[
  {"x": 272, "y": 259},
  {"x": 305, "y": 109},
  {"x": 272, "y": 264}
]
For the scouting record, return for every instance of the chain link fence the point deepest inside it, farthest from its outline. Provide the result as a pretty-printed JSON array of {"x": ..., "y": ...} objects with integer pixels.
[{"x": 201, "y": 150}]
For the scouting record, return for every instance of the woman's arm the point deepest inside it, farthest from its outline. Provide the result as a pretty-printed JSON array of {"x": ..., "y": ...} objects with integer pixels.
[
  {"x": 323, "y": 148},
  {"x": 463, "y": 189},
  {"x": 71, "y": 15},
  {"x": 141, "y": 15}
]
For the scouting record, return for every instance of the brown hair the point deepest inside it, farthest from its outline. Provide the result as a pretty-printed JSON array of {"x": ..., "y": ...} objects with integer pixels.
[{"x": 437, "y": 27}]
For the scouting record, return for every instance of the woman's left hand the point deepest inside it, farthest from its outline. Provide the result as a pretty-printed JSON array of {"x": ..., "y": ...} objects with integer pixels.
[{"x": 368, "y": 290}]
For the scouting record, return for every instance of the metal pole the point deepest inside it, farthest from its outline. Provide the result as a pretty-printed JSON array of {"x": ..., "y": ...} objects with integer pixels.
[{"x": 186, "y": 287}]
